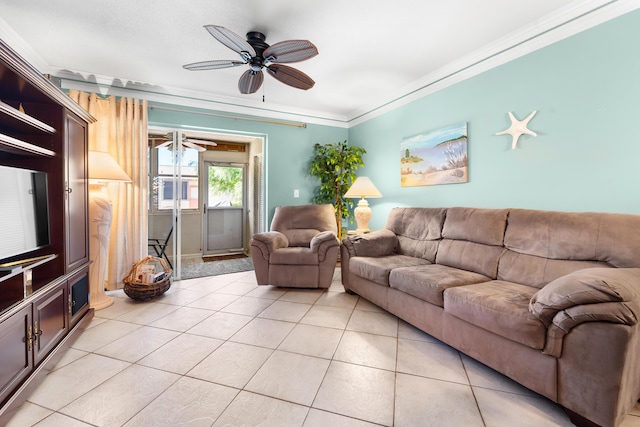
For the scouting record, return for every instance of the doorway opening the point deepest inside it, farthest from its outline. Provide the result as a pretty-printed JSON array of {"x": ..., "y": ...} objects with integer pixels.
[{"x": 206, "y": 187}]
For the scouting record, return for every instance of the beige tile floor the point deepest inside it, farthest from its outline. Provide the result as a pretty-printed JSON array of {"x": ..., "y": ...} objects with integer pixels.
[{"x": 221, "y": 351}]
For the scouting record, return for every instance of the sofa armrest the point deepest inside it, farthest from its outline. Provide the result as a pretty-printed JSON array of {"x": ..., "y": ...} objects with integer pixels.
[
  {"x": 375, "y": 244},
  {"x": 268, "y": 242},
  {"x": 322, "y": 242},
  {"x": 623, "y": 313},
  {"x": 590, "y": 295},
  {"x": 585, "y": 287}
]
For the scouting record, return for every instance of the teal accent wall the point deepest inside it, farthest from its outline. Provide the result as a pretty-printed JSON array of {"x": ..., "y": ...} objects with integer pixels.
[
  {"x": 586, "y": 156},
  {"x": 288, "y": 149}
]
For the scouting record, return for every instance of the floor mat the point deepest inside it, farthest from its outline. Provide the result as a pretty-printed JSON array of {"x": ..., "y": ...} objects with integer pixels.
[
  {"x": 195, "y": 267},
  {"x": 210, "y": 258}
]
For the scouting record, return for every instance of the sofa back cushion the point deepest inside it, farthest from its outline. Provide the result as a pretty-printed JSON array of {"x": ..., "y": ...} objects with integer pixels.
[
  {"x": 536, "y": 271},
  {"x": 544, "y": 245},
  {"x": 472, "y": 239},
  {"x": 476, "y": 225},
  {"x": 419, "y": 230}
]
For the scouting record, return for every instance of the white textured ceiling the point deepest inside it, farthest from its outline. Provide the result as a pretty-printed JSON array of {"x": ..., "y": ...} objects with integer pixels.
[{"x": 369, "y": 50}]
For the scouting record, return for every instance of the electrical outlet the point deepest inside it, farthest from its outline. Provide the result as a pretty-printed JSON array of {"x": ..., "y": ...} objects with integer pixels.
[{"x": 296, "y": 193}]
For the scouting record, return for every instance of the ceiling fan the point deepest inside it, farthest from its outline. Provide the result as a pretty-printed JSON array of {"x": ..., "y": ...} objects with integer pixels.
[
  {"x": 258, "y": 55},
  {"x": 195, "y": 143}
]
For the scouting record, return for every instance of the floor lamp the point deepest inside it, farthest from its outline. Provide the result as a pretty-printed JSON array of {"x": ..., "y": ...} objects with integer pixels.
[
  {"x": 102, "y": 169},
  {"x": 361, "y": 188}
]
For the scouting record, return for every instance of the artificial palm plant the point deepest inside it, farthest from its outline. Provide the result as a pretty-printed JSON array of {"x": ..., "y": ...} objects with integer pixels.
[{"x": 335, "y": 166}]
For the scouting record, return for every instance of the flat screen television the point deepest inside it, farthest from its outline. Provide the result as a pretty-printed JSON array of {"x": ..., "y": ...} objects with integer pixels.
[{"x": 24, "y": 212}]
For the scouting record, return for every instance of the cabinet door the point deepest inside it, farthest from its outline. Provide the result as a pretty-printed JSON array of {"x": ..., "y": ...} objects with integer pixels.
[
  {"x": 50, "y": 320},
  {"x": 76, "y": 193},
  {"x": 15, "y": 357},
  {"x": 79, "y": 296}
]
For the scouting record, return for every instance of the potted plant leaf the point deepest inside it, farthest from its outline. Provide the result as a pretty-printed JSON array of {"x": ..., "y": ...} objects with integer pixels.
[{"x": 335, "y": 166}]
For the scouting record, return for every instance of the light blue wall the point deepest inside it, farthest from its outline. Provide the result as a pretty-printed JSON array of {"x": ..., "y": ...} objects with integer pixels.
[
  {"x": 288, "y": 150},
  {"x": 586, "y": 156}
]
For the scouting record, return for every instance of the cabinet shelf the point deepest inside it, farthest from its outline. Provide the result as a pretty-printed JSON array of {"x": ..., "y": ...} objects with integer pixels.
[
  {"x": 25, "y": 118},
  {"x": 18, "y": 267},
  {"x": 17, "y": 146},
  {"x": 16, "y": 281}
]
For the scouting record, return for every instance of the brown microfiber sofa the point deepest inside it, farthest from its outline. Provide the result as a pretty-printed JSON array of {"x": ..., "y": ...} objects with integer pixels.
[{"x": 549, "y": 299}]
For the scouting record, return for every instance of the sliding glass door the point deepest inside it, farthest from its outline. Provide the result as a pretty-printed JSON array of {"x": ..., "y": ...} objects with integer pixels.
[{"x": 174, "y": 185}]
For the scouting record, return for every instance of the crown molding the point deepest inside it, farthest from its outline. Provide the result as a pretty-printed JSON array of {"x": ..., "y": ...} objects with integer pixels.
[
  {"x": 105, "y": 85},
  {"x": 568, "y": 21},
  {"x": 26, "y": 70},
  {"x": 21, "y": 47}
]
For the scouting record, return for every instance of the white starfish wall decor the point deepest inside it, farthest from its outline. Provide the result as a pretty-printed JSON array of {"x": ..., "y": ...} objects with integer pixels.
[{"x": 517, "y": 128}]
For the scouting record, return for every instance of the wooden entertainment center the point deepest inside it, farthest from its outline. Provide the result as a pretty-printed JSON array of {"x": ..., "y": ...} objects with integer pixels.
[{"x": 44, "y": 293}]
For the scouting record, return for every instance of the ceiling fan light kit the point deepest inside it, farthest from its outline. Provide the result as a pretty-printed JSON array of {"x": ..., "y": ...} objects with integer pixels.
[{"x": 256, "y": 53}]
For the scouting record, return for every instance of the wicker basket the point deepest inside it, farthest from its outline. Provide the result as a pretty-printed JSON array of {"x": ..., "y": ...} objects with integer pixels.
[{"x": 136, "y": 288}]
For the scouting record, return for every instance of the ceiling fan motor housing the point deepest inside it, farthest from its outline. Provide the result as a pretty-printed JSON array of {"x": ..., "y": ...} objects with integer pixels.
[{"x": 257, "y": 40}]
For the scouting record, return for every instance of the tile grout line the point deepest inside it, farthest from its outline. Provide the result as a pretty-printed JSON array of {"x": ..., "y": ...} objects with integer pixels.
[
  {"x": 330, "y": 360},
  {"x": 473, "y": 393}
]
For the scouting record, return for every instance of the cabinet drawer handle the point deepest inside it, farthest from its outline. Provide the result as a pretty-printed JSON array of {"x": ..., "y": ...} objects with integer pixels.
[{"x": 36, "y": 332}]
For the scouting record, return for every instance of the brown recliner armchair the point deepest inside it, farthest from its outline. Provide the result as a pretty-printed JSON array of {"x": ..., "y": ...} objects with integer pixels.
[{"x": 300, "y": 251}]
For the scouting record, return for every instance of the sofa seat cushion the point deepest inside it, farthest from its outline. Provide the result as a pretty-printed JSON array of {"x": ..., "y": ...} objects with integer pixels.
[
  {"x": 499, "y": 307},
  {"x": 294, "y": 256},
  {"x": 428, "y": 282},
  {"x": 377, "y": 269}
]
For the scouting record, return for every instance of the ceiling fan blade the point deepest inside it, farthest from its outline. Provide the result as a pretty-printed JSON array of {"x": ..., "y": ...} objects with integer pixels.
[
  {"x": 250, "y": 81},
  {"x": 164, "y": 144},
  {"x": 194, "y": 146},
  {"x": 230, "y": 39},
  {"x": 212, "y": 65},
  {"x": 290, "y": 51},
  {"x": 200, "y": 141},
  {"x": 291, "y": 76}
]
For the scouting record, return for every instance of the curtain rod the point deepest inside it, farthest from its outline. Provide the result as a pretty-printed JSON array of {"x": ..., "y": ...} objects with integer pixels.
[{"x": 226, "y": 116}]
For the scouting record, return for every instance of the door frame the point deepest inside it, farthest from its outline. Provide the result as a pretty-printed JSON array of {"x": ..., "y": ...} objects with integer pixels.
[{"x": 255, "y": 180}]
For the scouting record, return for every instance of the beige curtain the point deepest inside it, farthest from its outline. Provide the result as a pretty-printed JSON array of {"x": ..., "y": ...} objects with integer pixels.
[{"x": 121, "y": 130}]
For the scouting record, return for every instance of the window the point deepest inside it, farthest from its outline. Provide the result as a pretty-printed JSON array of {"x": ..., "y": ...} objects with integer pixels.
[
  {"x": 162, "y": 190},
  {"x": 167, "y": 189},
  {"x": 225, "y": 186}
]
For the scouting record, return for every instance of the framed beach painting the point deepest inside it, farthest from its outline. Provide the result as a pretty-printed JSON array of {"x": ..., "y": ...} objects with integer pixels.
[{"x": 438, "y": 157}]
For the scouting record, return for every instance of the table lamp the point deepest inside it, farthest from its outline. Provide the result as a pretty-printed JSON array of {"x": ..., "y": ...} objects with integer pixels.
[
  {"x": 103, "y": 169},
  {"x": 362, "y": 187}
]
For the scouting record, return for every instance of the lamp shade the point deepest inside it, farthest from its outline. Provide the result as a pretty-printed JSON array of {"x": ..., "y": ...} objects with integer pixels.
[
  {"x": 103, "y": 167},
  {"x": 362, "y": 187}
]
